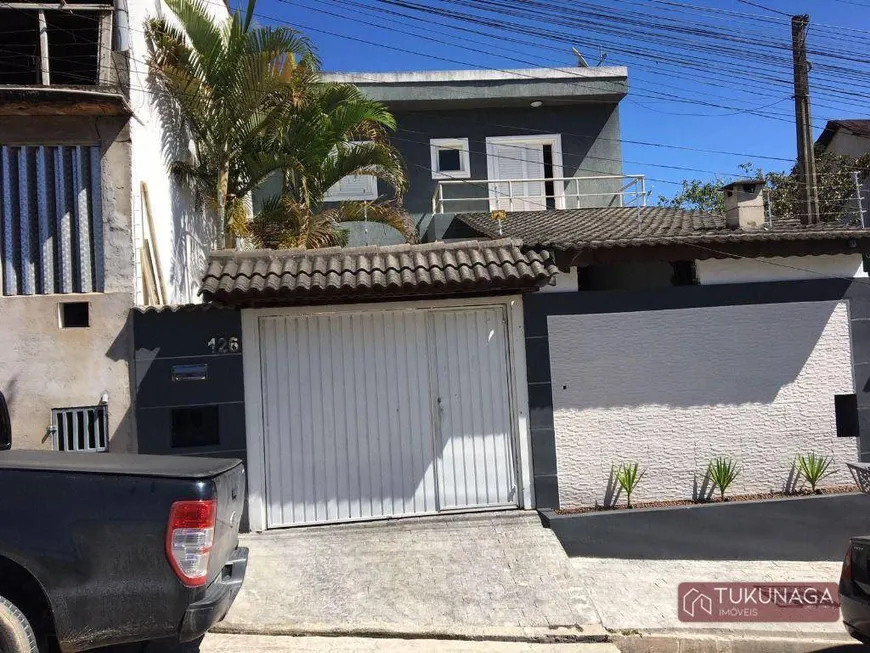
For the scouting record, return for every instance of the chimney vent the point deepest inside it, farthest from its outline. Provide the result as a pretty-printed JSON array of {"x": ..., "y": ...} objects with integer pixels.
[{"x": 744, "y": 204}]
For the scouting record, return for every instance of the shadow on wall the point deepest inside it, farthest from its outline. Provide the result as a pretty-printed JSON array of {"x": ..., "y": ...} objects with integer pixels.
[
  {"x": 122, "y": 438},
  {"x": 683, "y": 358},
  {"x": 194, "y": 224}
]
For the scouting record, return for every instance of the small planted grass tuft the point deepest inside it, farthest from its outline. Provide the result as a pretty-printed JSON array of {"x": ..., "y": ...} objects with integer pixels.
[{"x": 722, "y": 472}]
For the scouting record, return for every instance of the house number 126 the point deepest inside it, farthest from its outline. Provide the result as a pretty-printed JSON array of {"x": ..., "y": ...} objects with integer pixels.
[{"x": 224, "y": 345}]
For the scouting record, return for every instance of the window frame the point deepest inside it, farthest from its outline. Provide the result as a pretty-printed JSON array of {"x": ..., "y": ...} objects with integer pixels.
[
  {"x": 104, "y": 28},
  {"x": 461, "y": 144},
  {"x": 553, "y": 140}
]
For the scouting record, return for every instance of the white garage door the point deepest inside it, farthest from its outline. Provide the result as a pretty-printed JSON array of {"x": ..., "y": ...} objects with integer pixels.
[{"x": 384, "y": 413}]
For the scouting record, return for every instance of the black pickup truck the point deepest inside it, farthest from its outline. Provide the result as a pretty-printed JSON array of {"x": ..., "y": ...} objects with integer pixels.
[{"x": 103, "y": 549}]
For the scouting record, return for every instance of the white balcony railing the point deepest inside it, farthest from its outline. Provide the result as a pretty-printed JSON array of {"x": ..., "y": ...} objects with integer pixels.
[{"x": 539, "y": 194}]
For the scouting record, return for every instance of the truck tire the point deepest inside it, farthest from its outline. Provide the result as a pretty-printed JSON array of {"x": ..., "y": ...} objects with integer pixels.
[{"x": 16, "y": 633}]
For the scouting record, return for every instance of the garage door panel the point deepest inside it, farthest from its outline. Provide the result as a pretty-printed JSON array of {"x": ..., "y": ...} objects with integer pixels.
[
  {"x": 346, "y": 436},
  {"x": 473, "y": 410}
]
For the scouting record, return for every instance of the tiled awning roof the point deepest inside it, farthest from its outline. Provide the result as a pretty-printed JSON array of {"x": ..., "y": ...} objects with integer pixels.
[
  {"x": 357, "y": 273},
  {"x": 578, "y": 230}
]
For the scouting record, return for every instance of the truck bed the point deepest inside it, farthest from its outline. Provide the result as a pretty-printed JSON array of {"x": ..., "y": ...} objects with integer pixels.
[{"x": 184, "y": 467}]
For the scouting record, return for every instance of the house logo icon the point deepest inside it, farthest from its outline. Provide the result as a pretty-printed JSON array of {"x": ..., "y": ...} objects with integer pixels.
[{"x": 694, "y": 602}]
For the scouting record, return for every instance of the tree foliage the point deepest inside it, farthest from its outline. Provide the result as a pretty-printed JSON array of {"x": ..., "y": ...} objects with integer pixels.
[
  {"x": 835, "y": 182},
  {"x": 252, "y": 100}
]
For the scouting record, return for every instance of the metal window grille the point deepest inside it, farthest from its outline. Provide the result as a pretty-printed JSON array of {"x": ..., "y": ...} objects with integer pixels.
[
  {"x": 51, "y": 224},
  {"x": 81, "y": 429}
]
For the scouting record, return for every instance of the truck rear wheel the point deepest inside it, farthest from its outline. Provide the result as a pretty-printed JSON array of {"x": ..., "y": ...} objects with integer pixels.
[{"x": 16, "y": 633}]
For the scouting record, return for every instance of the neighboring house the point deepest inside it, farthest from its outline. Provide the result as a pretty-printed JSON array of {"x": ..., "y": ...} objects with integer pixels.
[
  {"x": 81, "y": 140},
  {"x": 389, "y": 380},
  {"x": 852, "y": 138}
]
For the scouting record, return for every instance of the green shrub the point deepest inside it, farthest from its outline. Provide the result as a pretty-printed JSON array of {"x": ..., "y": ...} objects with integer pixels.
[
  {"x": 628, "y": 475},
  {"x": 722, "y": 471},
  {"x": 814, "y": 468}
]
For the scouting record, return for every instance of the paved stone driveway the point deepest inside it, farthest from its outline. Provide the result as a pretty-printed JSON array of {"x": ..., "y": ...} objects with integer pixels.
[
  {"x": 464, "y": 575},
  {"x": 642, "y": 594}
]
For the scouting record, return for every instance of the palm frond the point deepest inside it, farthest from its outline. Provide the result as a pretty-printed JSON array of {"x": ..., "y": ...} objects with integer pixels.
[
  {"x": 205, "y": 37},
  {"x": 378, "y": 159},
  {"x": 284, "y": 223}
]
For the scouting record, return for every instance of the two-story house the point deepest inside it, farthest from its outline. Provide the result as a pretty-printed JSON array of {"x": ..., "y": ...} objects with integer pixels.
[
  {"x": 480, "y": 140},
  {"x": 91, "y": 222}
]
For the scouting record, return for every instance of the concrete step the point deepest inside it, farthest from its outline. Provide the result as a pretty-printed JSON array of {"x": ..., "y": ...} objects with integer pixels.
[{"x": 218, "y": 643}]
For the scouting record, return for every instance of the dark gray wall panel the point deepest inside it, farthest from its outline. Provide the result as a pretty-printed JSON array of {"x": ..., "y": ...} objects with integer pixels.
[{"x": 166, "y": 338}]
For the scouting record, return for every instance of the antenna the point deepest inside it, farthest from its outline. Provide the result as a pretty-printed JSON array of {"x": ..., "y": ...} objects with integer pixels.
[
  {"x": 581, "y": 62},
  {"x": 602, "y": 55}
]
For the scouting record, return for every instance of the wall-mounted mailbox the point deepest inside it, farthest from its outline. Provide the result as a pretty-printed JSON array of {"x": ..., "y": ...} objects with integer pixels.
[{"x": 190, "y": 372}]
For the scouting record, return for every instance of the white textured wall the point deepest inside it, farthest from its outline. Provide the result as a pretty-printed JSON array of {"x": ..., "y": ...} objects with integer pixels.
[
  {"x": 565, "y": 282},
  {"x": 185, "y": 235},
  {"x": 786, "y": 268},
  {"x": 671, "y": 389}
]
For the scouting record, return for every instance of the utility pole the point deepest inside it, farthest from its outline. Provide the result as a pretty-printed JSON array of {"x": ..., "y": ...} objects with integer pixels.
[{"x": 808, "y": 186}]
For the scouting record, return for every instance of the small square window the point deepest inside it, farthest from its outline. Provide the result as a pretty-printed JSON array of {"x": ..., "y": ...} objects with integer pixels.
[
  {"x": 74, "y": 315},
  {"x": 450, "y": 158}
]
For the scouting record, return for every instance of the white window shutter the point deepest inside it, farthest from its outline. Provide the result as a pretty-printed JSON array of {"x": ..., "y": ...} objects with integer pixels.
[{"x": 519, "y": 161}]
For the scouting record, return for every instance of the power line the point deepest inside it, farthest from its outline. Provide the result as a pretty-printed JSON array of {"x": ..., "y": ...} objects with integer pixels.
[
  {"x": 755, "y": 4},
  {"x": 428, "y": 36}
]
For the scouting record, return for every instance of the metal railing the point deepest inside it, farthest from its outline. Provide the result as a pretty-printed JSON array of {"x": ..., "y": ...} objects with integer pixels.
[{"x": 532, "y": 194}]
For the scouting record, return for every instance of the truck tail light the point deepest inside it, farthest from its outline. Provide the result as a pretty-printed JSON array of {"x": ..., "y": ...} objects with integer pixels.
[
  {"x": 846, "y": 573},
  {"x": 189, "y": 539}
]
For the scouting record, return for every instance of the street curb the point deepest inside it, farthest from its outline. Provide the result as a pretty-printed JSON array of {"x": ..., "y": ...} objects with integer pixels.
[
  {"x": 718, "y": 643},
  {"x": 592, "y": 633}
]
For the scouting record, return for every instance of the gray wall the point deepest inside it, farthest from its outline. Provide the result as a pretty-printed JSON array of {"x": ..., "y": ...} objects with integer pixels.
[
  {"x": 538, "y": 307},
  {"x": 44, "y": 366},
  {"x": 590, "y": 146},
  {"x": 167, "y": 339}
]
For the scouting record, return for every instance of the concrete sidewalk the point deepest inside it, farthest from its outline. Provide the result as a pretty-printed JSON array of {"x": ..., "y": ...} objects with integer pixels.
[
  {"x": 638, "y": 598},
  {"x": 498, "y": 576},
  {"x": 642, "y": 594}
]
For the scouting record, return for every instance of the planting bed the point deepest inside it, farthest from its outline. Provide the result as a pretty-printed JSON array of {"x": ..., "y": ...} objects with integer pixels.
[{"x": 804, "y": 527}]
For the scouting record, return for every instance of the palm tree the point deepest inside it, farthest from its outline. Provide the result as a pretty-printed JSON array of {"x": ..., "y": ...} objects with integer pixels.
[
  {"x": 250, "y": 98},
  {"x": 334, "y": 131},
  {"x": 232, "y": 84}
]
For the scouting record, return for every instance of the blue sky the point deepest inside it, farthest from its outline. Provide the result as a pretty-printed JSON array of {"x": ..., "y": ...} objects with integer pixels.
[{"x": 728, "y": 88}]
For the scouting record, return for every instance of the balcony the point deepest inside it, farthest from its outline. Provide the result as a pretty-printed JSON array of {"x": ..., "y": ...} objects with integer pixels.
[{"x": 538, "y": 194}]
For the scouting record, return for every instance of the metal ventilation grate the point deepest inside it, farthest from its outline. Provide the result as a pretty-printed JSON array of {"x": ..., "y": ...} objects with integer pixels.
[{"x": 81, "y": 429}]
